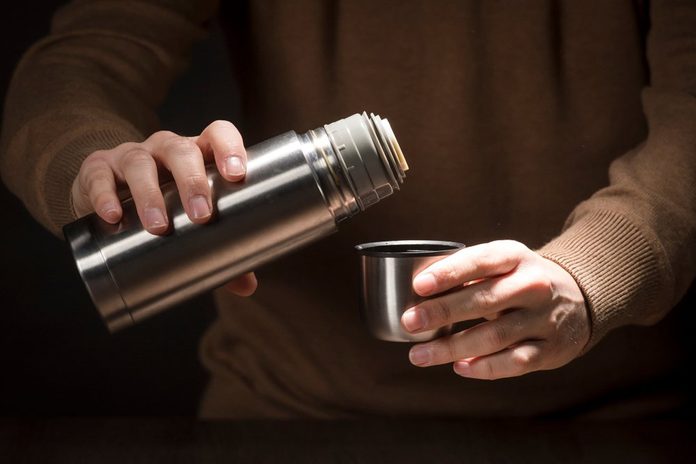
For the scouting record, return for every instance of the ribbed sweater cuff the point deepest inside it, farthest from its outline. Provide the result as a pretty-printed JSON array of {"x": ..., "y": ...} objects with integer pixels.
[
  {"x": 614, "y": 266},
  {"x": 64, "y": 167}
]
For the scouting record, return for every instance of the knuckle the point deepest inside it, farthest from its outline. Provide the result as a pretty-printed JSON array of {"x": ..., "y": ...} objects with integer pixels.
[
  {"x": 522, "y": 360},
  {"x": 137, "y": 156},
  {"x": 496, "y": 335},
  {"x": 97, "y": 178},
  {"x": 446, "y": 272},
  {"x": 438, "y": 310},
  {"x": 92, "y": 161},
  {"x": 538, "y": 283},
  {"x": 220, "y": 124},
  {"x": 490, "y": 371},
  {"x": 510, "y": 251},
  {"x": 126, "y": 146},
  {"x": 451, "y": 350},
  {"x": 160, "y": 136},
  {"x": 96, "y": 155},
  {"x": 483, "y": 260},
  {"x": 179, "y": 146},
  {"x": 485, "y": 298},
  {"x": 512, "y": 246},
  {"x": 90, "y": 168}
]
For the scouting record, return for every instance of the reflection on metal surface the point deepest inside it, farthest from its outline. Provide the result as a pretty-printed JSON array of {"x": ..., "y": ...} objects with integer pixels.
[{"x": 386, "y": 290}]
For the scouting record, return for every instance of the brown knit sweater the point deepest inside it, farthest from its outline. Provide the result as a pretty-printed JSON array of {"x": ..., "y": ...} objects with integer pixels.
[{"x": 513, "y": 115}]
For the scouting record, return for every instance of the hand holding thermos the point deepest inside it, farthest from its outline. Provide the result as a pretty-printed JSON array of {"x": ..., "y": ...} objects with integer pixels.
[{"x": 137, "y": 167}]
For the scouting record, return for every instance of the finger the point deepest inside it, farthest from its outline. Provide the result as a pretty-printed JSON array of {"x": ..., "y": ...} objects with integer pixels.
[
  {"x": 482, "y": 299},
  {"x": 139, "y": 170},
  {"x": 518, "y": 360},
  {"x": 184, "y": 159},
  {"x": 96, "y": 185},
  {"x": 244, "y": 285},
  {"x": 481, "y": 340},
  {"x": 469, "y": 264},
  {"x": 225, "y": 141}
]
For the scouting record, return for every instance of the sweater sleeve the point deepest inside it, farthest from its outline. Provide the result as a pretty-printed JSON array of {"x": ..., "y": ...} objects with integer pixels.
[
  {"x": 632, "y": 246},
  {"x": 93, "y": 83}
]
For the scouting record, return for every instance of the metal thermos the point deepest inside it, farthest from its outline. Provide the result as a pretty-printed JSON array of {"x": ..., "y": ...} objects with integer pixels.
[{"x": 298, "y": 187}]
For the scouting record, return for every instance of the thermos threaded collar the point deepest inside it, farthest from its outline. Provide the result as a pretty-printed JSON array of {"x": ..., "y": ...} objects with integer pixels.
[{"x": 369, "y": 155}]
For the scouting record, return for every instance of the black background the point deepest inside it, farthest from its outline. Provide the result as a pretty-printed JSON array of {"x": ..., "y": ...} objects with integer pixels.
[{"x": 56, "y": 357}]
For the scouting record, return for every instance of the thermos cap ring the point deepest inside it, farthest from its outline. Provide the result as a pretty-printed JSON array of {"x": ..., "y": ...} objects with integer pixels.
[{"x": 357, "y": 139}]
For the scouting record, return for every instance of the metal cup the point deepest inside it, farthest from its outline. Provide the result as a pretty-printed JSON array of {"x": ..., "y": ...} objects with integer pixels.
[{"x": 388, "y": 269}]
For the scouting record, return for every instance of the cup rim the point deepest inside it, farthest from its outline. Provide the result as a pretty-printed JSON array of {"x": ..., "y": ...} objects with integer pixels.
[{"x": 408, "y": 248}]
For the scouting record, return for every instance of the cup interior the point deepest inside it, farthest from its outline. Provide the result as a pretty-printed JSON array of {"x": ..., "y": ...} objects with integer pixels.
[{"x": 407, "y": 248}]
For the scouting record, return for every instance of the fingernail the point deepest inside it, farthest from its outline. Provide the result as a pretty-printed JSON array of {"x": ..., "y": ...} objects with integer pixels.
[
  {"x": 413, "y": 319},
  {"x": 199, "y": 207},
  {"x": 234, "y": 166},
  {"x": 419, "y": 355},
  {"x": 462, "y": 368},
  {"x": 154, "y": 217},
  {"x": 110, "y": 210},
  {"x": 423, "y": 284}
]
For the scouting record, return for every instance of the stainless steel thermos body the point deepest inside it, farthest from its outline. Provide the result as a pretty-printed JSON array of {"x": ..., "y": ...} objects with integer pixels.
[{"x": 298, "y": 187}]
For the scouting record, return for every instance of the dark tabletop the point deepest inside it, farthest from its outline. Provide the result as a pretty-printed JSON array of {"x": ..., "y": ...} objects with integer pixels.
[{"x": 174, "y": 440}]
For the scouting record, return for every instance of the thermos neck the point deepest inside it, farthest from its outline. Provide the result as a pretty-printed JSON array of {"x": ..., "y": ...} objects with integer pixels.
[{"x": 360, "y": 162}]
